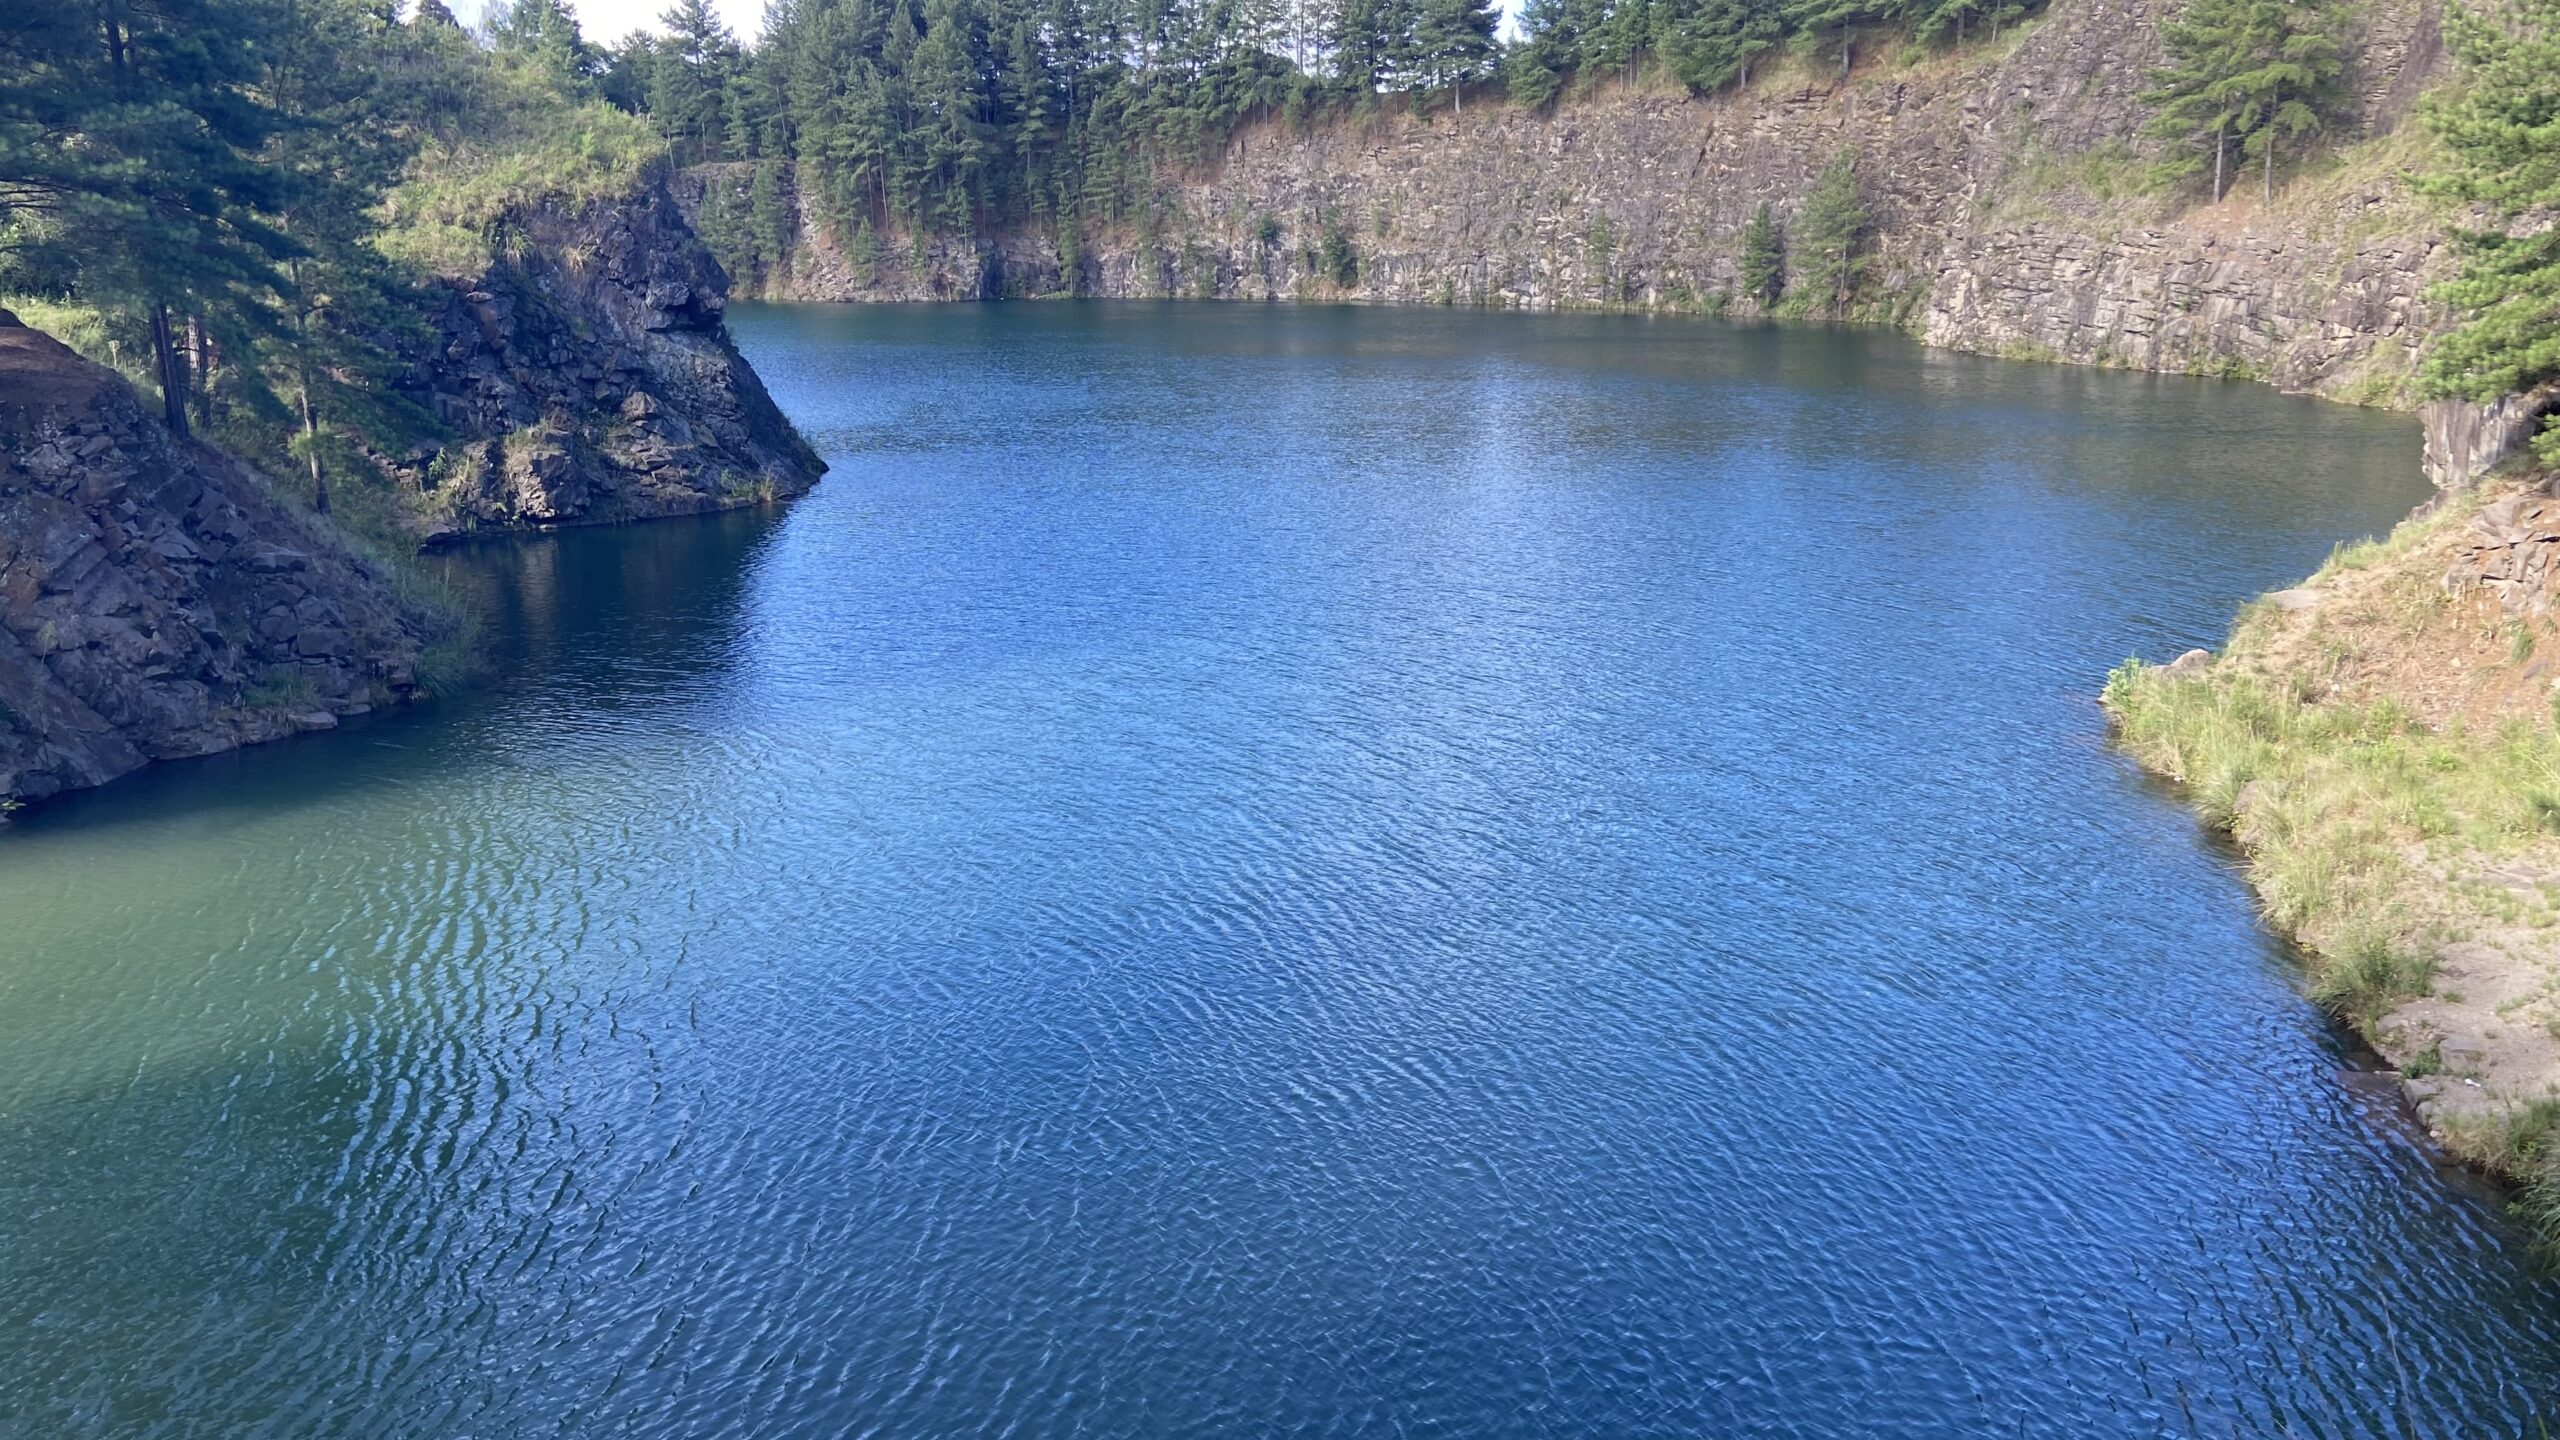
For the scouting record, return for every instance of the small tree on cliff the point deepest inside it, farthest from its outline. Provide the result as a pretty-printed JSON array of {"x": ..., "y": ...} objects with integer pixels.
[
  {"x": 2501, "y": 122},
  {"x": 1828, "y": 234},
  {"x": 1764, "y": 258},
  {"x": 2254, "y": 74},
  {"x": 688, "y": 83},
  {"x": 768, "y": 219}
]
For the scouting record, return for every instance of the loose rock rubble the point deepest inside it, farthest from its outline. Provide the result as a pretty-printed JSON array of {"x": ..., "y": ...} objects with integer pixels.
[{"x": 2510, "y": 550}]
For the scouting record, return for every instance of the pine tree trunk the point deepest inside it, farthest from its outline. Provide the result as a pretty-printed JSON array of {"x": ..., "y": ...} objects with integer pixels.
[
  {"x": 302, "y": 381},
  {"x": 311, "y": 447},
  {"x": 172, "y": 372},
  {"x": 2271, "y": 167},
  {"x": 2217, "y": 164},
  {"x": 202, "y": 359}
]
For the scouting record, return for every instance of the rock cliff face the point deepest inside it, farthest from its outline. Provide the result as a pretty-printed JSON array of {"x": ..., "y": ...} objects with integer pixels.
[
  {"x": 155, "y": 602},
  {"x": 2465, "y": 441},
  {"x": 591, "y": 378},
  {"x": 1999, "y": 177}
]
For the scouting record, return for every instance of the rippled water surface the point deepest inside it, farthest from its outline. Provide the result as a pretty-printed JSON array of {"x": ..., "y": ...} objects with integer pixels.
[{"x": 1245, "y": 871}]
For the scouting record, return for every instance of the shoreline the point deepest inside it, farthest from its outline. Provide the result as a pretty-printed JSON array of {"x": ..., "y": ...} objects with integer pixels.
[{"x": 2378, "y": 743}]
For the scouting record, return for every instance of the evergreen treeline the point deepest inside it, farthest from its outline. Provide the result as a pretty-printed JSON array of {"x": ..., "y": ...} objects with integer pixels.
[
  {"x": 1709, "y": 44},
  {"x": 945, "y": 113}
]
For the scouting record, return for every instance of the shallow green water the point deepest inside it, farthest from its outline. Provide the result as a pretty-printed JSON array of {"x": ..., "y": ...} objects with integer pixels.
[{"x": 1264, "y": 871}]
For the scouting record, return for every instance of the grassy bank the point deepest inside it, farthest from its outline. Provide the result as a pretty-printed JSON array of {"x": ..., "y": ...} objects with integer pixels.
[{"x": 2381, "y": 742}]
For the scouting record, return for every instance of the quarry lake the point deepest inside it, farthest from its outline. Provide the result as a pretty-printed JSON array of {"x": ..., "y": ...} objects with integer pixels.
[{"x": 1266, "y": 871}]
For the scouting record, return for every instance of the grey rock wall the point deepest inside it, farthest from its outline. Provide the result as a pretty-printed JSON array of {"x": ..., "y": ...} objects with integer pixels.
[
  {"x": 2465, "y": 440},
  {"x": 155, "y": 601},
  {"x": 1984, "y": 171}
]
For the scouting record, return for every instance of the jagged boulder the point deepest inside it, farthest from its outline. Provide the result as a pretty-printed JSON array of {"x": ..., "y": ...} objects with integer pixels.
[{"x": 2466, "y": 440}]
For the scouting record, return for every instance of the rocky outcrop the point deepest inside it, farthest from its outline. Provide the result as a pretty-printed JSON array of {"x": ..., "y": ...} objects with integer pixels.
[
  {"x": 2003, "y": 181},
  {"x": 2466, "y": 440},
  {"x": 2511, "y": 549},
  {"x": 155, "y": 600},
  {"x": 591, "y": 378}
]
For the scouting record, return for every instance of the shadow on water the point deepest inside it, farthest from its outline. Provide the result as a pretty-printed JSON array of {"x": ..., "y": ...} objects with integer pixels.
[
  {"x": 253, "y": 1219},
  {"x": 615, "y": 618}
]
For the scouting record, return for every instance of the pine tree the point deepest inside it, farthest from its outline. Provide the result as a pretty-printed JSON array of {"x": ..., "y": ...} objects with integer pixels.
[
  {"x": 1827, "y": 236},
  {"x": 630, "y": 68},
  {"x": 1710, "y": 44},
  {"x": 1951, "y": 21},
  {"x": 769, "y": 218},
  {"x": 1764, "y": 258},
  {"x": 690, "y": 79},
  {"x": 2501, "y": 122},
  {"x": 1618, "y": 38},
  {"x": 1453, "y": 45},
  {"x": 347, "y": 137},
  {"x": 1373, "y": 45},
  {"x": 1536, "y": 67},
  {"x": 1825, "y": 24},
  {"x": 2250, "y": 73},
  {"x": 950, "y": 128},
  {"x": 544, "y": 34},
  {"x": 133, "y": 174}
]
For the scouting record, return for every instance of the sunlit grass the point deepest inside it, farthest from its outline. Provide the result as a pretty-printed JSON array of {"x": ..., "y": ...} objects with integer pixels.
[{"x": 2375, "y": 838}]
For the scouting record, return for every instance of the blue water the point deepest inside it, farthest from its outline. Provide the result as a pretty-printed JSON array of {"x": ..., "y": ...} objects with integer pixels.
[{"x": 1265, "y": 871}]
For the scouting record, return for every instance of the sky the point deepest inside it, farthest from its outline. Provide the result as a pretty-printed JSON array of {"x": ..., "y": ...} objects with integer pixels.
[{"x": 605, "y": 21}]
